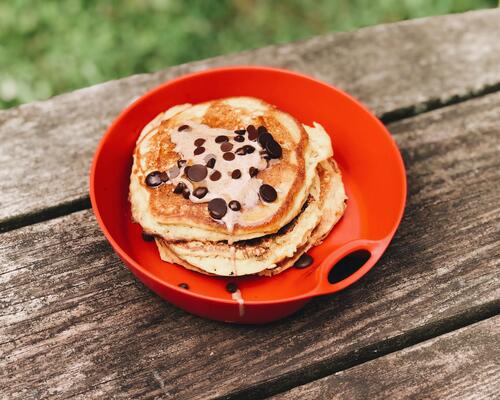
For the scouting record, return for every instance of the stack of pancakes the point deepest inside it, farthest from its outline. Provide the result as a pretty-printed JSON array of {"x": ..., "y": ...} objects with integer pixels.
[{"x": 234, "y": 187}]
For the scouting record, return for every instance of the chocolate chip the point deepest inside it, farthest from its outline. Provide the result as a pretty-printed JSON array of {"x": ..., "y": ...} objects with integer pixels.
[
  {"x": 221, "y": 139},
  {"x": 240, "y": 131},
  {"x": 173, "y": 172},
  {"x": 186, "y": 193},
  {"x": 231, "y": 287},
  {"x": 181, "y": 163},
  {"x": 153, "y": 179},
  {"x": 200, "y": 192},
  {"x": 261, "y": 129},
  {"x": 211, "y": 163},
  {"x": 252, "y": 132},
  {"x": 183, "y": 127},
  {"x": 147, "y": 237},
  {"x": 184, "y": 286},
  {"x": 236, "y": 174},
  {"x": 239, "y": 138},
  {"x": 264, "y": 138},
  {"x": 228, "y": 156},
  {"x": 241, "y": 151},
  {"x": 164, "y": 177},
  {"x": 197, "y": 173},
  {"x": 304, "y": 261},
  {"x": 235, "y": 205},
  {"x": 274, "y": 149},
  {"x": 199, "y": 150},
  {"x": 217, "y": 208},
  {"x": 226, "y": 146},
  {"x": 216, "y": 175},
  {"x": 180, "y": 188},
  {"x": 252, "y": 171},
  {"x": 249, "y": 149},
  {"x": 267, "y": 193},
  {"x": 199, "y": 142},
  {"x": 186, "y": 170}
]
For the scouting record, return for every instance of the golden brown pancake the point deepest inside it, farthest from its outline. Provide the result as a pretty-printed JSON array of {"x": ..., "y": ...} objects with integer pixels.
[
  {"x": 163, "y": 213},
  {"x": 270, "y": 254},
  {"x": 234, "y": 187}
]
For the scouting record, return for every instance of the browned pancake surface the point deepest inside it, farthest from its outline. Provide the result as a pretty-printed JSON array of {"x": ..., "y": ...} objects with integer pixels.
[{"x": 172, "y": 209}]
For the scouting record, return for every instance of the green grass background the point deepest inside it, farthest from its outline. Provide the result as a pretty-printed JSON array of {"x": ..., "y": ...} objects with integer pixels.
[{"x": 48, "y": 47}]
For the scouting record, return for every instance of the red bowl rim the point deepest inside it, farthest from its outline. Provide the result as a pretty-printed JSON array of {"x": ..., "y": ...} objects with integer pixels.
[{"x": 124, "y": 255}]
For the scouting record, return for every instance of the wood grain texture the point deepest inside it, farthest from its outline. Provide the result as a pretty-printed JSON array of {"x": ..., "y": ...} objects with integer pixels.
[
  {"x": 74, "y": 321},
  {"x": 396, "y": 69},
  {"x": 463, "y": 364}
]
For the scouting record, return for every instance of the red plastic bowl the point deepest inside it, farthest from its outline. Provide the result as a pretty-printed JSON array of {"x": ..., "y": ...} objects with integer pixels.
[{"x": 373, "y": 174}]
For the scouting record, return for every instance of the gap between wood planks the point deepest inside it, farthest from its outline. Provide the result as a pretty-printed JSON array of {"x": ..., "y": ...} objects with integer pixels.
[
  {"x": 328, "y": 367},
  {"x": 83, "y": 203},
  {"x": 46, "y": 214}
]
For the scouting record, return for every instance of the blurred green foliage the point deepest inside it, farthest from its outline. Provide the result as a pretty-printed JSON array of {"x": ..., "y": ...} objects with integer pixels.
[{"x": 48, "y": 47}]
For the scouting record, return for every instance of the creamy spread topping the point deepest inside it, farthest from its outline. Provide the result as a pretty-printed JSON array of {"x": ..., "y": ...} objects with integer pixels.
[
  {"x": 220, "y": 167},
  {"x": 236, "y": 296}
]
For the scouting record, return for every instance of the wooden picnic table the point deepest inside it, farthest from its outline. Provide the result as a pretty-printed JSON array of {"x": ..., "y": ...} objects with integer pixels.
[{"x": 75, "y": 323}]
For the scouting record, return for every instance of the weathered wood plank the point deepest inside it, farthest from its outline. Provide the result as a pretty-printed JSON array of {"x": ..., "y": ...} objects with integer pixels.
[
  {"x": 395, "y": 69},
  {"x": 74, "y": 321},
  {"x": 463, "y": 364}
]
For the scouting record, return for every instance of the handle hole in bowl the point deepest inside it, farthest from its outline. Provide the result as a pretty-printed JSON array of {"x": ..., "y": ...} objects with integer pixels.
[{"x": 348, "y": 265}]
